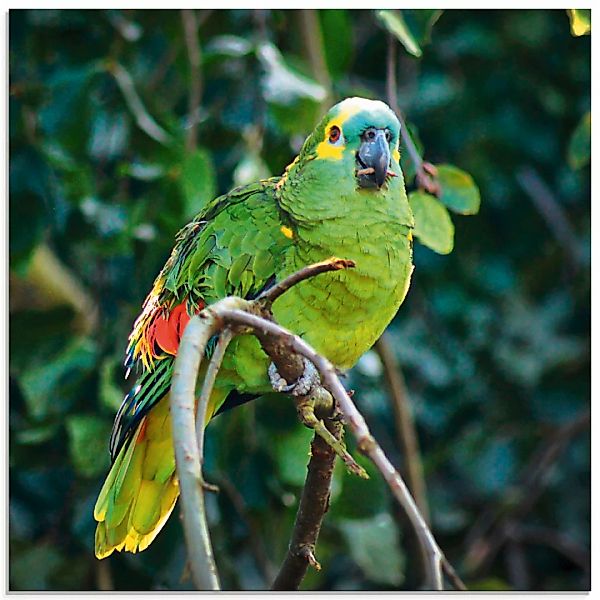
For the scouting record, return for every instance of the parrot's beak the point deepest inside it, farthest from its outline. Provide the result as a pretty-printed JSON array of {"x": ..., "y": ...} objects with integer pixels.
[{"x": 373, "y": 158}]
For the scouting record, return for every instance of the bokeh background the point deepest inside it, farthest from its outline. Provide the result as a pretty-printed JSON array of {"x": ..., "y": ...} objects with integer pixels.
[{"x": 123, "y": 121}]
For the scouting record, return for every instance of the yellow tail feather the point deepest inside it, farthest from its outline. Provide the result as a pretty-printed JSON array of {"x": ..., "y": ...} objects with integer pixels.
[{"x": 141, "y": 489}]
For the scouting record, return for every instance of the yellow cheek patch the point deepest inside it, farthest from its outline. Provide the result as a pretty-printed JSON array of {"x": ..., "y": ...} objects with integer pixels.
[
  {"x": 396, "y": 155},
  {"x": 289, "y": 234},
  {"x": 329, "y": 151},
  {"x": 409, "y": 236}
]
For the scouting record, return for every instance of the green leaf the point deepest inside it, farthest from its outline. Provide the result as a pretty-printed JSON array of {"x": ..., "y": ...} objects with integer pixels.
[
  {"x": 394, "y": 22},
  {"x": 197, "y": 181},
  {"x": 581, "y": 21},
  {"x": 433, "y": 226},
  {"x": 339, "y": 47},
  {"x": 373, "y": 545},
  {"x": 282, "y": 84},
  {"x": 420, "y": 21},
  {"x": 111, "y": 394},
  {"x": 579, "y": 150},
  {"x": 42, "y": 383},
  {"x": 228, "y": 45},
  {"x": 459, "y": 192},
  {"x": 37, "y": 435},
  {"x": 88, "y": 435},
  {"x": 360, "y": 498},
  {"x": 292, "y": 455}
]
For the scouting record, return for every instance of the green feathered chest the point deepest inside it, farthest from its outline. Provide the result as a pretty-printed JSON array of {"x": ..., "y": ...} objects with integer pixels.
[{"x": 343, "y": 313}]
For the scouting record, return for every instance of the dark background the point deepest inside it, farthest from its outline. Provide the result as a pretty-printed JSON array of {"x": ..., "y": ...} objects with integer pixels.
[{"x": 493, "y": 339}]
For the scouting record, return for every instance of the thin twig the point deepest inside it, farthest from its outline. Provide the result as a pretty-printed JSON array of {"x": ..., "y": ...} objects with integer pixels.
[
  {"x": 207, "y": 387},
  {"x": 187, "y": 456},
  {"x": 190, "y": 27},
  {"x": 489, "y": 533},
  {"x": 425, "y": 172},
  {"x": 258, "y": 549},
  {"x": 143, "y": 119},
  {"x": 310, "y": 30},
  {"x": 404, "y": 424},
  {"x": 407, "y": 436},
  {"x": 552, "y": 212},
  {"x": 331, "y": 264},
  {"x": 391, "y": 85},
  {"x": 104, "y": 578}
]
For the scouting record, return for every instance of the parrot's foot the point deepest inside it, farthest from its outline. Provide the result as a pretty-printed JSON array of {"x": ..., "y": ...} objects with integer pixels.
[
  {"x": 306, "y": 411},
  {"x": 301, "y": 387},
  {"x": 310, "y": 397}
]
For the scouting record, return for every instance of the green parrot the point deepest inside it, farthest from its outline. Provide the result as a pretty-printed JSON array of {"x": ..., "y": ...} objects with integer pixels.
[{"x": 343, "y": 196}]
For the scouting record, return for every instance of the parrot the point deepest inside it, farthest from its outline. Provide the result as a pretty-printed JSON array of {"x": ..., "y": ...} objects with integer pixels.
[{"x": 343, "y": 196}]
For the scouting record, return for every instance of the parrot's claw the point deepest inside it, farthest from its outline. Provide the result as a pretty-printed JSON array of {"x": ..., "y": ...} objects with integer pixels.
[
  {"x": 306, "y": 412},
  {"x": 301, "y": 387},
  {"x": 310, "y": 397}
]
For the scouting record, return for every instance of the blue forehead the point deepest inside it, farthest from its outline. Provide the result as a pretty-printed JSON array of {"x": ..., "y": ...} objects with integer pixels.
[{"x": 357, "y": 114}]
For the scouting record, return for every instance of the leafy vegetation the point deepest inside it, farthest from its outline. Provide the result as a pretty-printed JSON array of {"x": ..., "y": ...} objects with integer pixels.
[{"x": 493, "y": 339}]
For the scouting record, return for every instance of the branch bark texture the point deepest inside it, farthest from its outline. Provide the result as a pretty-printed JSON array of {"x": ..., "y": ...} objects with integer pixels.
[
  {"x": 313, "y": 506},
  {"x": 405, "y": 425}
]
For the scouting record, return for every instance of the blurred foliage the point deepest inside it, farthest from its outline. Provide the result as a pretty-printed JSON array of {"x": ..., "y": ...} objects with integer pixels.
[
  {"x": 581, "y": 21},
  {"x": 494, "y": 339}
]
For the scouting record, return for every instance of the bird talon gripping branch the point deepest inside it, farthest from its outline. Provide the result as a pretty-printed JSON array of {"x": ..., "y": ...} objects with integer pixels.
[
  {"x": 301, "y": 387},
  {"x": 306, "y": 411}
]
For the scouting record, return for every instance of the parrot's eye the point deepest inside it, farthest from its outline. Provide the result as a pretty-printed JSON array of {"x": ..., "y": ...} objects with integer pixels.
[
  {"x": 334, "y": 134},
  {"x": 370, "y": 134},
  {"x": 388, "y": 135}
]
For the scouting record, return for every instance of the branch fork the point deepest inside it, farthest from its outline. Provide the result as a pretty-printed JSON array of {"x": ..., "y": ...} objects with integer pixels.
[{"x": 290, "y": 354}]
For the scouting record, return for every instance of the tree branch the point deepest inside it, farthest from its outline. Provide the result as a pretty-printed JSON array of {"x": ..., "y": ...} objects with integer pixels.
[
  {"x": 207, "y": 387},
  {"x": 190, "y": 27},
  {"x": 491, "y": 530},
  {"x": 405, "y": 425},
  {"x": 313, "y": 506},
  {"x": 187, "y": 455},
  {"x": 142, "y": 117},
  {"x": 366, "y": 443},
  {"x": 426, "y": 173},
  {"x": 240, "y": 316},
  {"x": 310, "y": 29},
  {"x": 332, "y": 264},
  {"x": 552, "y": 212},
  {"x": 409, "y": 445}
]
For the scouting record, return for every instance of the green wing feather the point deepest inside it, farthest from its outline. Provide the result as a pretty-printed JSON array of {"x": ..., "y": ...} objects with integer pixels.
[{"x": 233, "y": 247}]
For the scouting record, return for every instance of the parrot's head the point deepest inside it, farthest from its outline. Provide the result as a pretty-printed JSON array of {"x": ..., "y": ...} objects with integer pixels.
[{"x": 357, "y": 140}]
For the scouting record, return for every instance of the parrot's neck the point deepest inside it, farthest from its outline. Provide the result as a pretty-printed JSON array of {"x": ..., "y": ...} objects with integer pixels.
[{"x": 344, "y": 312}]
